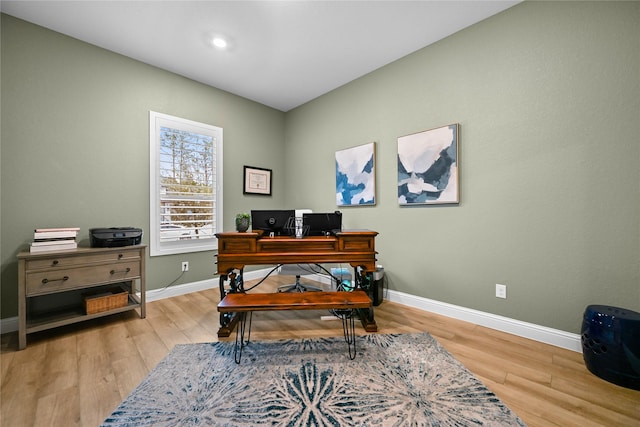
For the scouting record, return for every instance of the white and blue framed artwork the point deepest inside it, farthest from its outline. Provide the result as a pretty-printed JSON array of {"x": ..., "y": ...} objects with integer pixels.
[
  {"x": 428, "y": 167},
  {"x": 356, "y": 176}
]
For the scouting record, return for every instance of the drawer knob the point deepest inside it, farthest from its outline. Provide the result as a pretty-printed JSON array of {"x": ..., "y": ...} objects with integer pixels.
[
  {"x": 54, "y": 262},
  {"x": 45, "y": 280},
  {"x": 121, "y": 271}
]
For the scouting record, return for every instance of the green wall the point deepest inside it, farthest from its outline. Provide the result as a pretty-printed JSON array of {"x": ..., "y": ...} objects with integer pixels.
[
  {"x": 547, "y": 96},
  {"x": 548, "y": 99},
  {"x": 75, "y": 144}
]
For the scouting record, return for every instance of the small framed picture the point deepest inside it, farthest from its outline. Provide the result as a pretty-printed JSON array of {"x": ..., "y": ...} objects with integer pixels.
[{"x": 257, "y": 181}]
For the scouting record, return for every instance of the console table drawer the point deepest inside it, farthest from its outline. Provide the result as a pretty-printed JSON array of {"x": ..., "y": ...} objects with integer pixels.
[
  {"x": 56, "y": 280},
  {"x": 63, "y": 260}
]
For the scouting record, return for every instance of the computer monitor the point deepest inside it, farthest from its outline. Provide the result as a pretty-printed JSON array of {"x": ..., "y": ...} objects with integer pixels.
[
  {"x": 272, "y": 221},
  {"x": 320, "y": 224}
]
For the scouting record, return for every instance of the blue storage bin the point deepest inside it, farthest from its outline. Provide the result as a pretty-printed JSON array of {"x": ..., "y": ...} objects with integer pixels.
[{"x": 611, "y": 344}]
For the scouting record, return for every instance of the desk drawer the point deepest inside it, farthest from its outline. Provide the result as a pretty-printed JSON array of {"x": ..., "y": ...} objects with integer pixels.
[
  {"x": 56, "y": 280},
  {"x": 308, "y": 245},
  {"x": 72, "y": 260},
  {"x": 359, "y": 244}
]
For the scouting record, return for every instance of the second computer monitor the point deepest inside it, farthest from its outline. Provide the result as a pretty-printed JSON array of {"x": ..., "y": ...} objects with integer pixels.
[{"x": 320, "y": 224}]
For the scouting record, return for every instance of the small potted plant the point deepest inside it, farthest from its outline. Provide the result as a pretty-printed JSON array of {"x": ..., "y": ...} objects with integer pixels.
[{"x": 242, "y": 222}]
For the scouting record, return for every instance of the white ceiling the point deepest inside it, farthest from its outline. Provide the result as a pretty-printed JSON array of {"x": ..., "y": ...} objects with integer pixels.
[{"x": 282, "y": 53}]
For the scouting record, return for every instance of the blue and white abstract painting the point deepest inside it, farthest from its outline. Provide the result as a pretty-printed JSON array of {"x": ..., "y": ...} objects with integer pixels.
[
  {"x": 428, "y": 167},
  {"x": 356, "y": 176}
]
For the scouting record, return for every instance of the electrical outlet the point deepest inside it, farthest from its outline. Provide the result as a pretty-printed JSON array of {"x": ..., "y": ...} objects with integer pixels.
[
  {"x": 185, "y": 265},
  {"x": 501, "y": 291}
]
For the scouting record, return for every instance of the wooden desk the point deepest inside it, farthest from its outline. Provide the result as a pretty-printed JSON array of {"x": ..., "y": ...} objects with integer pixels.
[{"x": 237, "y": 250}]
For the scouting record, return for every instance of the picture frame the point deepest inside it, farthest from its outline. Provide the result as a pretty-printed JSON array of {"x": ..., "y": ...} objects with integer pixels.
[
  {"x": 356, "y": 176},
  {"x": 257, "y": 181},
  {"x": 428, "y": 170}
]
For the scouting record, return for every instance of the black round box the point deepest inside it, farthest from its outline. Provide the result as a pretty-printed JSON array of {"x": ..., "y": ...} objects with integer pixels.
[{"x": 611, "y": 344}]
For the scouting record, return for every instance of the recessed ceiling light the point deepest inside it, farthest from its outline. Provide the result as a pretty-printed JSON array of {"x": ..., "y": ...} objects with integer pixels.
[{"x": 220, "y": 42}]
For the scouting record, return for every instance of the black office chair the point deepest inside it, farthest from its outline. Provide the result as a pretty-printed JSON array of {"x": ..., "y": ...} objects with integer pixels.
[{"x": 297, "y": 270}]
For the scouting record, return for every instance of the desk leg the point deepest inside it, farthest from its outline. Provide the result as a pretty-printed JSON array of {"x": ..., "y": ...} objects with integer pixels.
[
  {"x": 363, "y": 281},
  {"x": 366, "y": 318},
  {"x": 228, "y": 321}
]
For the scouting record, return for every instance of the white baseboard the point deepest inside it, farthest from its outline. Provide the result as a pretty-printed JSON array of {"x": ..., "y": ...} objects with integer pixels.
[
  {"x": 10, "y": 324},
  {"x": 187, "y": 288},
  {"x": 532, "y": 331}
]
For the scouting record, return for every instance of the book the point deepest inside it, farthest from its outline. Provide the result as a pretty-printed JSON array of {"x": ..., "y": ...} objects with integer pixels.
[
  {"x": 42, "y": 230},
  {"x": 41, "y": 235},
  {"x": 49, "y": 242},
  {"x": 52, "y": 248}
]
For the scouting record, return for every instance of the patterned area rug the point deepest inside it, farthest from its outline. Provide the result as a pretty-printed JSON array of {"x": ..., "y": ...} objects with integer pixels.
[{"x": 395, "y": 380}]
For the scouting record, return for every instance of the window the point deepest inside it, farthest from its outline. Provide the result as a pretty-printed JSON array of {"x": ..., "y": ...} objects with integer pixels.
[{"x": 186, "y": 185}]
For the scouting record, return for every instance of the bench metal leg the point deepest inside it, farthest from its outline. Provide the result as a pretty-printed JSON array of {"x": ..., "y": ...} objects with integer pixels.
[
  {"x": 240, "y": 332},
  {"x": 349, "y": 330}
]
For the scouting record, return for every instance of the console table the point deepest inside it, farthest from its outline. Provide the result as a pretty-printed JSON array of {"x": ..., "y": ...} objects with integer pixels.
[
  {"x": 237, "y": 250},
  {"x": 50, "y": 285}
]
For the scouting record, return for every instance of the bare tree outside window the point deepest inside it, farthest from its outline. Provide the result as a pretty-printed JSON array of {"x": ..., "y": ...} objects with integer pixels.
[{"x": 186, "y": 178}]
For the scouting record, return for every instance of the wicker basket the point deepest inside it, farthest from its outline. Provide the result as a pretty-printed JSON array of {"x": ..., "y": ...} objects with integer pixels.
[{"x": 104, "y": 300}]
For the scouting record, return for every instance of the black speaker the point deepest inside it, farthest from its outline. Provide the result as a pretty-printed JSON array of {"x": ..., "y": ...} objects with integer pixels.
[{"x": 611, "y": 344}]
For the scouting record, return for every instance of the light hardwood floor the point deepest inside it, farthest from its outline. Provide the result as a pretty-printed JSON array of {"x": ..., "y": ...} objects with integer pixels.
[{"x": 78, "y": 374}]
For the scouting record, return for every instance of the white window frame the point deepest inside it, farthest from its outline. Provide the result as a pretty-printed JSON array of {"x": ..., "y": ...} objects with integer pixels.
[{"x": 158, "y": 247}]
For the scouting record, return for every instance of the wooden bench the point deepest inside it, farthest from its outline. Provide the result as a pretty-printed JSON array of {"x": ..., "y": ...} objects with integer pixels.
[{"x": 343, "y": 302}]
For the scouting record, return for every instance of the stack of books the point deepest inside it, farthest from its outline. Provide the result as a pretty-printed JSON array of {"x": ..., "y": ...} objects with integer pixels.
[{"x": 54, "y": 239}]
